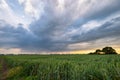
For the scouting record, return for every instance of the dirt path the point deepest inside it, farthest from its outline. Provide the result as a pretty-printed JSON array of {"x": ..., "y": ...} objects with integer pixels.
[{"x": 3, "y": 71}]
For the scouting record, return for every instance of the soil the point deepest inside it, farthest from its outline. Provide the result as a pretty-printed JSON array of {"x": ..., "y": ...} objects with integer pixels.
[{"x": 4, "y": 69}]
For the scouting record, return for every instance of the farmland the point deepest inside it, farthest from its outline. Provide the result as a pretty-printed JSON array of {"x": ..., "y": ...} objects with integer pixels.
[{"x": 61, "y": 67}]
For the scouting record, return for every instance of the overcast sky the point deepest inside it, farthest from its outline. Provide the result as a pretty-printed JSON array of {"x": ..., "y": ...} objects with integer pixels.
[{"x": 59, "y": 25}]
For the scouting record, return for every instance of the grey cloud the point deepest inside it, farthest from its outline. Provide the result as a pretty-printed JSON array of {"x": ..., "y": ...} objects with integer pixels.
[
  {"x": 52, "y": 25},
  {"x": 108, "y": 29},
  {"x": 11, "y": 37},
  {"x": 49, "y": 32},
  {"x": 108, "y": 9}
]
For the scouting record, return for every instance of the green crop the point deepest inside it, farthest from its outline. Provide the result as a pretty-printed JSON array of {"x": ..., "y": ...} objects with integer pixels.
[{"x": 63, "y": 67}]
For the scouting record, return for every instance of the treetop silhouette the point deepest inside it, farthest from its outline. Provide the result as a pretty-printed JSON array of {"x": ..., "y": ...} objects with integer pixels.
[{"x": 105, "y": 50}]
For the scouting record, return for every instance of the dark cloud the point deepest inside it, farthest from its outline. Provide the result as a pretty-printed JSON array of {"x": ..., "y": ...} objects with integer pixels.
[
  {"x": 51, "y": 26},
  {"x": 11, "y": 37},
  {"x": 106, "y": 10},
  {"x": 98, "y": 12},
  {"x": 43, "y": 40},
  {"x": 51, "y": 31},
  {"x": 109, "y": 29}
]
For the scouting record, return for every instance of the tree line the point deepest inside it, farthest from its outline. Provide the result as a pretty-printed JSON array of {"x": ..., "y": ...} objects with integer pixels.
[{"x": 105, "y": 50}]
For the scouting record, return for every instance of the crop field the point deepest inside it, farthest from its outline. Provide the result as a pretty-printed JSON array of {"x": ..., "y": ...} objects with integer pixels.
[{"x": 60, "y": 67}]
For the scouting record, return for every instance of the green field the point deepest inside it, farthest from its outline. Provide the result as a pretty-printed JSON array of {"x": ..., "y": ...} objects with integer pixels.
[{"x": 62, "y": 67}]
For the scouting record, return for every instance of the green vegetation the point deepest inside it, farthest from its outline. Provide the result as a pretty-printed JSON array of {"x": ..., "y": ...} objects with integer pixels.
[
  {"x": 63, "y": 67},
  {"x": 105, "y": 50}
]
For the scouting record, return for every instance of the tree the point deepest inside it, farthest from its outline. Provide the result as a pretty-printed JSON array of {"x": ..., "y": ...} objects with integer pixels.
[
  {"x": 109, "y": 50},
  {"x": 97, "y": 51},
  {"x": 91, "y": 53},
  {"x": 106, "y": 50}
]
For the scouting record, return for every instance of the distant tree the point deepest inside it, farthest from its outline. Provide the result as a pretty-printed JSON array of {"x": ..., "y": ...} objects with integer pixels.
[
  {"x": 98, "y": 51},
  {"x": 91, "y": 53},
  {"x": 106, "y": 50},
  {"x": 109, "y": 50}
]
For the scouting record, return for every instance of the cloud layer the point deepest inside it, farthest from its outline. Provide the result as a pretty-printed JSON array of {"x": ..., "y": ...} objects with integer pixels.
[{"x": 59, "y": 25}]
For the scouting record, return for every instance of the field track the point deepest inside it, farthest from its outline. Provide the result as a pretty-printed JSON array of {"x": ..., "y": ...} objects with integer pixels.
[{"x": 3, "y": 69}]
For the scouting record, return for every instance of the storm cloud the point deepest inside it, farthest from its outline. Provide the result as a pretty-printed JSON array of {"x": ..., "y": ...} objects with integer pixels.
[{"x": 59, "y": 25}]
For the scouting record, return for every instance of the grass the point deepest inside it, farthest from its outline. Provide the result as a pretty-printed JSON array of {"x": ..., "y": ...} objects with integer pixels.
[{"x": 63, "y": 67}]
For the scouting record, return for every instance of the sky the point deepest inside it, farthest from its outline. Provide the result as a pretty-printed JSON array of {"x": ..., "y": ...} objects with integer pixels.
[{"x": 59, "y": 25}]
